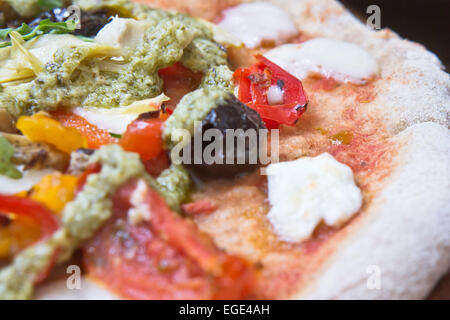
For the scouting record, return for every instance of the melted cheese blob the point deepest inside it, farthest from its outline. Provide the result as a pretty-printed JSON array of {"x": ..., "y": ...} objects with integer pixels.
[
  {"x": 343, "y": 61},
  {"x": 307, "y": 191},
  {"x": 122, "y": 33},
  {"x": 255, "y": 23}
]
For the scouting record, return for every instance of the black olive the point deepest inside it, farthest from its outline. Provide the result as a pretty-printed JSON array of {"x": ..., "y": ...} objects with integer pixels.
[
  {"x": 229, "y": 115},
  {"x": 90, "y": 21}
]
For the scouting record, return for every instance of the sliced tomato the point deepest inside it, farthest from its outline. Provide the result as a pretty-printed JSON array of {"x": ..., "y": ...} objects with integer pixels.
[
  {"x": 178, "y": 81},
  {"x": 166, "y": 257},
  {"x": 95, "y": 136},
  {"x": 144, "y": 137},
  {"x": 254, "y": 84}
]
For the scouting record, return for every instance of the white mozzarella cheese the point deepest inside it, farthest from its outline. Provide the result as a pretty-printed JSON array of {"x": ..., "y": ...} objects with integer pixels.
[
  {"x": 307, "y": 191},
  {"x": 344, "y": 61},
  {"x": 140, "y": 210},
  {"x": 254, "y": 23},
  {"x": 275, "y": 95},
  {"x": 29, "y": 179},
  {"x": 122, "y": 33}
]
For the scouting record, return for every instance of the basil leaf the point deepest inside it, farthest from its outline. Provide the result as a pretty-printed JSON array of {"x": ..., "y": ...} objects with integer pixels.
[
  {"x": 49, "y": 4},
  {"x": 6, "y": 153},
  {"x": 45, "y": 26},
  {"x": 24, "y": 29},
  {"x": 4, "y": 33}
]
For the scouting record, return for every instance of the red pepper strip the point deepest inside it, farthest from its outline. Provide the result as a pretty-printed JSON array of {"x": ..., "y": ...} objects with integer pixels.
[
  {"x": 27, "y": 207},
  {"x": 199, "y": 207},
  {"x": 254, "y": 83},
  {"x": 144, "y": 137},
  {"x": 91, "y": 169},
  {"x": 242, "y": 76},
  {"x": 287, "y": 114},
  {"x": 293, "y": 89}
]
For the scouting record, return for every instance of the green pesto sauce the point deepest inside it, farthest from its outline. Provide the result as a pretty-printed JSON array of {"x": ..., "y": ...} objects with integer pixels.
[
  {"x": 192, "y": 108},
  {"x": 82, "y": 217},
  {"x": 169, "y": 38}
]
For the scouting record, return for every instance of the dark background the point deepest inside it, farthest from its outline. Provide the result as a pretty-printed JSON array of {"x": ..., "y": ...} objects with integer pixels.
[{"x": 424, "y": 21}]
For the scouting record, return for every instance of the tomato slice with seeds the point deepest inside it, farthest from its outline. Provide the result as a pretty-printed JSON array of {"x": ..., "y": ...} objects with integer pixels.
[{"x": 166, "y": 257}]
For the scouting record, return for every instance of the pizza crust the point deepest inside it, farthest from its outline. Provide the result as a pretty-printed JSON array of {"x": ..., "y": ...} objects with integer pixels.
[
  {"x": 406, "y": 230},
  {"x": 404, "y": 234}
]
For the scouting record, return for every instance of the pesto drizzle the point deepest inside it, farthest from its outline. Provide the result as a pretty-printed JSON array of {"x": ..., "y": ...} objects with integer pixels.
[{"x": 82, "y": 217}]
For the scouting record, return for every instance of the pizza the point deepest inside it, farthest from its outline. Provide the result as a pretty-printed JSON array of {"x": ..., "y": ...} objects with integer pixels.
[{"x": 225, "y": 149}]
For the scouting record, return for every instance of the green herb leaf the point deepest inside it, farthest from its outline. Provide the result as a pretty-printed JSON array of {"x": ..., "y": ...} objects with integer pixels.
[
  {"x": 6, "y": 153},
  {"x": 115, "y": 135},
  {"x": 4, "y": 33},
  {"x": 49, "y": 4},
  {"x": 45, "y": 26}
]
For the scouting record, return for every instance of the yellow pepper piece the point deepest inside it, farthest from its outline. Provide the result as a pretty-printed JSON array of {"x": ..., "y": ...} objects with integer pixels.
[
  {"x": 55, "y": 190},
  {"x": 19, "y": 234},
  {"x": 42, "y": 128},
  {"x": 5, "y": 243}
]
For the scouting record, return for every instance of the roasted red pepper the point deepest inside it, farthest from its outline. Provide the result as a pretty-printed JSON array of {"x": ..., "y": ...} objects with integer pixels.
[
  {"x": 144, "y": 137},
  {"x": 254, "y": 84},
  {"x": 29, "y": 208}
]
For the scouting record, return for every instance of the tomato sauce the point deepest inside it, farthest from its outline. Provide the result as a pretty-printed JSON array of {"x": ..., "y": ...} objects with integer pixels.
[{"x": 166, "y": 257}]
